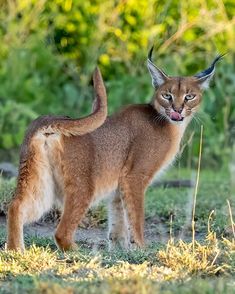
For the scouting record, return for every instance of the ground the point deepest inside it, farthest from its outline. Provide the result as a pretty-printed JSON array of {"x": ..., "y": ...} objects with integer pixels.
[{"x": 170, "y": 262}]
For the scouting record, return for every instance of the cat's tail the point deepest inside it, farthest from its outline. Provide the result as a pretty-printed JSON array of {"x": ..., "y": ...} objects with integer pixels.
[
  {"x": 68, "y": 126},
  {"x": 74, "y": 127}
]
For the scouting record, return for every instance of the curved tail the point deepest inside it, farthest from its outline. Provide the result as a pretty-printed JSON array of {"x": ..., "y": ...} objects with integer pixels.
[
  {"x": 74, "y": 127},
  {"x": 69, "y": 126}
]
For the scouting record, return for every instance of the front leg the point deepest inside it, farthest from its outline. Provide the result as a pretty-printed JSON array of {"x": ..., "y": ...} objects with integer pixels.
[
  {"x": 133, "y": 191},
  {"x": 119, "y": 230}
]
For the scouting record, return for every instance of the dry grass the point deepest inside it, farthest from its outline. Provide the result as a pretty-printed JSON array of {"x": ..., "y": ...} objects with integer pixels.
[
  {"x": 202, "y": 259},
  {"x": 178, "y": 261}
]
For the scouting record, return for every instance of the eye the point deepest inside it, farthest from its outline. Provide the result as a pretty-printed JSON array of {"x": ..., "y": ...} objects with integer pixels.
[
  {"x": 189, "y": 96},
  {"x": 167, "y": 96}
]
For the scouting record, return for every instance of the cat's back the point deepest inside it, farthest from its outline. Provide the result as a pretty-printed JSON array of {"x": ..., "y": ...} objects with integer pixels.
[
  {"x": 127, "y": 120},
  {"x": 119, "y": 130}
]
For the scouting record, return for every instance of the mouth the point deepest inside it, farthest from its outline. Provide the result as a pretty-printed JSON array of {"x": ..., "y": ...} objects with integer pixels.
[
  {"x": 176, "y": 116},
  {"x": 177, "y": 120}
]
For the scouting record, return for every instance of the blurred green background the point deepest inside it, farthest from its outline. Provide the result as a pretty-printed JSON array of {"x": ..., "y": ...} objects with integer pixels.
[{"x": 49, "y": 49}]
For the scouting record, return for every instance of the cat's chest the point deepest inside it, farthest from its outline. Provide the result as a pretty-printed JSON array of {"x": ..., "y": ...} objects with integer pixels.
[
  {"x": 167, "y": 157},
  {"x": 167, "y": 161}
]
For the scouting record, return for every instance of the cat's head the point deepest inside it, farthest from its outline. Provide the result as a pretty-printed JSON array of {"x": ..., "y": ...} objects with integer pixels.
[{"x": 177, "y": 98}]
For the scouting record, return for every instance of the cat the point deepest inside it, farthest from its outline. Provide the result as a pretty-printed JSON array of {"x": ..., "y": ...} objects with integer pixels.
[{"x": 117, "y": 160}]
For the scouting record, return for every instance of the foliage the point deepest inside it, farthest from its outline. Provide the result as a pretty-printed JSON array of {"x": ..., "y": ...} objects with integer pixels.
[
  {"x": 49, "y": 49},
  {"x": 6, "y": 192}
]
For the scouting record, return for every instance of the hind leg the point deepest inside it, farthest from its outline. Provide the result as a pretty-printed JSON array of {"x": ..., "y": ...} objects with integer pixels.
[
  {"x": 15, "y": 222},
  {"x": 119, "y": 230},
  {"x": 33, "y": 197},
  {"x": 78, "y": 197}
]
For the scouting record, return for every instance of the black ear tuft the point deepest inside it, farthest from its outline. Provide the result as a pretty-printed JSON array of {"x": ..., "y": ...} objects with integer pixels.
[
  {"x": 150, "y": 53},
  {"x": 158, "y": 75},
  {"x": 210, "y": 69},
  {"x": 204, "y": 77}
]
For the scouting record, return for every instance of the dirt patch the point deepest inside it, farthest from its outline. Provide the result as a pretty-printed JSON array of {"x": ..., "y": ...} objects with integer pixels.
[{"x": 94, "y": 237}]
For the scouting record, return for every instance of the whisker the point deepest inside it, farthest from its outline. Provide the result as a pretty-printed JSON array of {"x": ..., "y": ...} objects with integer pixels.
[
  {"x": 159, "y": 118},
  {"x": 199, "y": 119},
  {"x": 195, "y": 120}
]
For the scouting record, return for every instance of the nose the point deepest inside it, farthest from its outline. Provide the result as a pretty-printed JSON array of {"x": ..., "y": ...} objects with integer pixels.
[{"x": 177, "y": 109}]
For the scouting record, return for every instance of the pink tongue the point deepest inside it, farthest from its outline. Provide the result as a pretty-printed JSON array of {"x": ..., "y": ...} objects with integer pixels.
[{"x": 175, "y": 115}]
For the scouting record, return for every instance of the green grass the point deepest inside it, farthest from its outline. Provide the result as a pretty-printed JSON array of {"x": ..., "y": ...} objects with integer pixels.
[
  {"x": 162, "y": 267},
  {"x": 6, "y": 191},
  {"x": 214, "y": 189}
]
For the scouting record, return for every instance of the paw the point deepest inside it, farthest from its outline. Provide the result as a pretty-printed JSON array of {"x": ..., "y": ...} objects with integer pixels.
[
  {"x": 68, "y": 247},
  {"x": 135, "y": 245},
  {"x": 65, "y": 244},
  {"x": 73, "y": 246},
  {"x": 116, "y": 241},
  {"x": 15, "y": 247}
]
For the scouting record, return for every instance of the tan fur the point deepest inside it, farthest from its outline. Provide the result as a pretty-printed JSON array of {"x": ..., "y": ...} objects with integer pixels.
[{"x": 119, "y": 159}]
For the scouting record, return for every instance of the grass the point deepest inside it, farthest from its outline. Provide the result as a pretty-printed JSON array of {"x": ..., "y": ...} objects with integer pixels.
[
  {"x": 166, "y": 265},
  {"x": 144, "y": 271},
  {"x": 213, "y": 191}
]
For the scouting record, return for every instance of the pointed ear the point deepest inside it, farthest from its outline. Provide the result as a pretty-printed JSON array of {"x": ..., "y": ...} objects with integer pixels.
[
  {"x": 204, "y": 82},
  {"x": 158, "y": 76},
  {"x": 204, "y": 77}
]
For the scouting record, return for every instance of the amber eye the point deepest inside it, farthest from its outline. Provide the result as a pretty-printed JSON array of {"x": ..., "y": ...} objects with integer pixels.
[
  {"x": 167, "y": 96},
  {"x": 189, "y": 96}
]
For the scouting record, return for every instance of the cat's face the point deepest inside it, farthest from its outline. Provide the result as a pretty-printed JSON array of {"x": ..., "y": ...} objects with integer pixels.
[{"x": 177, "y": 98}]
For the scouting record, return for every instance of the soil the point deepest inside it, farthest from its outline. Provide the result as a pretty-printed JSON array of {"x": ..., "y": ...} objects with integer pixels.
[{"x": 93, "y": 237}]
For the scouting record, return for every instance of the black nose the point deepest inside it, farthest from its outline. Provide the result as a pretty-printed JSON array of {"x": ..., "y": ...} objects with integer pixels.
[{"x": 177, "y": 109}]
